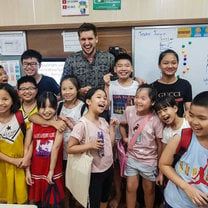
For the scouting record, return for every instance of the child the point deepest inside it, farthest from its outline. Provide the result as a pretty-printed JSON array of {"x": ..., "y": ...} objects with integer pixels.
[
  {"x": 187, "y": 185},
  {"x": 102, "y": 169},
  {"x": 47, "y": 155},
  {"x": 3, "y": 75},
  {"x": 166, "y": 109},
  {"x": 169, "y": 84},
  {"x": 70, "y": 112},
  {"x": 70, "y": 108},
  {"x": 31, "y": 62},
  {"x": 27, "y": 91},
  {"x": 12, "y": 179},
  {"x": 120, "y": 93},
  {"x": 143, "y": 156}
]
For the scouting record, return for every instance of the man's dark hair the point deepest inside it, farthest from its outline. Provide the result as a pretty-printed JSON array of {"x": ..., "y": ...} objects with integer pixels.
[
  {"x": 31, "y": 54},
  {"x": 123, "y": 56},
  {"x": 87, "y": 27}
]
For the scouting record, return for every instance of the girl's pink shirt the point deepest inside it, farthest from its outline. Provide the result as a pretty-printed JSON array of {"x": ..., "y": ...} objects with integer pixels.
[
  {"x": 99, "y": 164},
  {"x": 145, "y": 148}
]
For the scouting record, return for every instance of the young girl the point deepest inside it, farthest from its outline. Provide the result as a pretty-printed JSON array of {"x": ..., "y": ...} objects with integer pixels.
[
  {"x": 12, "y": 179},
  {"x": 47, "y": 155},
  {"x": 188, "y": 184},
  {"x": 143, "y": 156},
  {"x": 166, "y": 109},
  {"x": 69, "y": 110},
  {"x": 169, "y": 84},
  {"x": 102, "y": 170}
]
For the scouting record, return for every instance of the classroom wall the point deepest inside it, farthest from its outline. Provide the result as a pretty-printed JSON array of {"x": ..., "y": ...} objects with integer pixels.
[{"x": 41, "y": 12}]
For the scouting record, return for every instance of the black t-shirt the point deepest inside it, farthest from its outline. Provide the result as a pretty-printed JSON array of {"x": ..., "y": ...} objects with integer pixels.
[{"x": 181, "y": 90}]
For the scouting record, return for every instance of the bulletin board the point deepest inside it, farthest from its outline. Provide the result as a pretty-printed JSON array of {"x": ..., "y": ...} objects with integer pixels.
[
  {"x": 12, "y": 45},
  {"x": 189, "y": 41}
]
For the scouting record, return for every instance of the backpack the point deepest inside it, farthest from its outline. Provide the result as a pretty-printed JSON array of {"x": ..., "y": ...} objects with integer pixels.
[
  {"x": 122, "y": 157},
  {"x": 21, "y": 122},
  {"x": 186, "y": 135}
]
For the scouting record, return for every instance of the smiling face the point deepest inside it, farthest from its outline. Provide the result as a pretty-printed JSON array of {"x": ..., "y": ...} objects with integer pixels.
[
  {"x": 98, "y": 102},
  {"x": 142, "y": 101},
  {"x": 198, "y": 120},
  {"x": 47, "y": 112},
  {"x": 168, "y": 65},
  {"x": 68, "y": 91},
  {"x": 88, "y": 42},
  {"x": 5, "y": 102},
  {"x": 27, "y": 91},
  {"x": 3, "y": 76},
  {"x": 30, "y": 66},
  {"x": 123, "y": 69},
  {"x": 167, "y": 114}
]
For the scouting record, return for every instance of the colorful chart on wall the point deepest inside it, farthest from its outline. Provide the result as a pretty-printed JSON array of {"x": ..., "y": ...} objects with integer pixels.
[
  {"x": 189, "y": 41},
  {"x": 106, "y": 4},
  {"x": 74, "y": 7}
]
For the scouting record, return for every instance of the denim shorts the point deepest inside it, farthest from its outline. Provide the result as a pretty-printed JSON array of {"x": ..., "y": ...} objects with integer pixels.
[{"x": 135, "y": 167}]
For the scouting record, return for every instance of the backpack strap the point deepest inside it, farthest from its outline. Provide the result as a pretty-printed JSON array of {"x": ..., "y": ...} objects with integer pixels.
[
  {"x": 183, "y": 145},
  {"x": 139, "y": 130},
  {"x": 59, "y": 108},
  {"x": 21, "y": 121}
]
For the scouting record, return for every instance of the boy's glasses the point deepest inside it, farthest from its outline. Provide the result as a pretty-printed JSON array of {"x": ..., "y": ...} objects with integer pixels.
[
  {"x": 23, "y": 89},
  {"x": 32, "y": 64}
]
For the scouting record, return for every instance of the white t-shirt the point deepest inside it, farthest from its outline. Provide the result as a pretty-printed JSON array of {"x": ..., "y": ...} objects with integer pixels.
[
  {"x": 121, "y": 97},
  {"x": 73, "y": 114},
  {"x": 168, "y": 132}
]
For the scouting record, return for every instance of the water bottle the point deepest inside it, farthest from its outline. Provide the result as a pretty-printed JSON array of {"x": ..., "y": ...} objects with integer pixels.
[{"x": 101, "y": 137}]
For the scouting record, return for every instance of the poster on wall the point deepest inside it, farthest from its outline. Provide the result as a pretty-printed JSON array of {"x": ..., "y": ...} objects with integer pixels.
[
  {"x": 106, "y": 4},
  {"x": 12, "y": 43},
  {"x": 12, "y": 68},
  {"x": 74, "y": 7},
  {"x": 71, "y": 42}
]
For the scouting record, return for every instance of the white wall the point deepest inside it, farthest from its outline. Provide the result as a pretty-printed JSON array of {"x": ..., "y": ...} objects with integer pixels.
[{"x": 38, "y": 12}]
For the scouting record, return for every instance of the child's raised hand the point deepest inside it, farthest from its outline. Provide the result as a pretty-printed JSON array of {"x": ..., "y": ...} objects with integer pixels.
[
  {"x": 106, "y": 78},
  {"x": 196, "y": 196}
]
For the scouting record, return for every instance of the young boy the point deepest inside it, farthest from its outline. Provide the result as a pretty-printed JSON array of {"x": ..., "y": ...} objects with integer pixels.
[
  {"x": 31, "y": 62},
  {"x": 27, "y": 91},
  {"x": 188, "y": 184},
  {"x": 120, "y": 93},
  {"x": 3, "y": 75}
]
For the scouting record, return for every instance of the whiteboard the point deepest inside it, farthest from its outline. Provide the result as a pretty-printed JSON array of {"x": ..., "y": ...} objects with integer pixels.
[{"x": 189, "y": 41}]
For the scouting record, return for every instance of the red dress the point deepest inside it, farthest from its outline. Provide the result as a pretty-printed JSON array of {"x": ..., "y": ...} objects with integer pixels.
[{"x": 43, "y": 139}]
